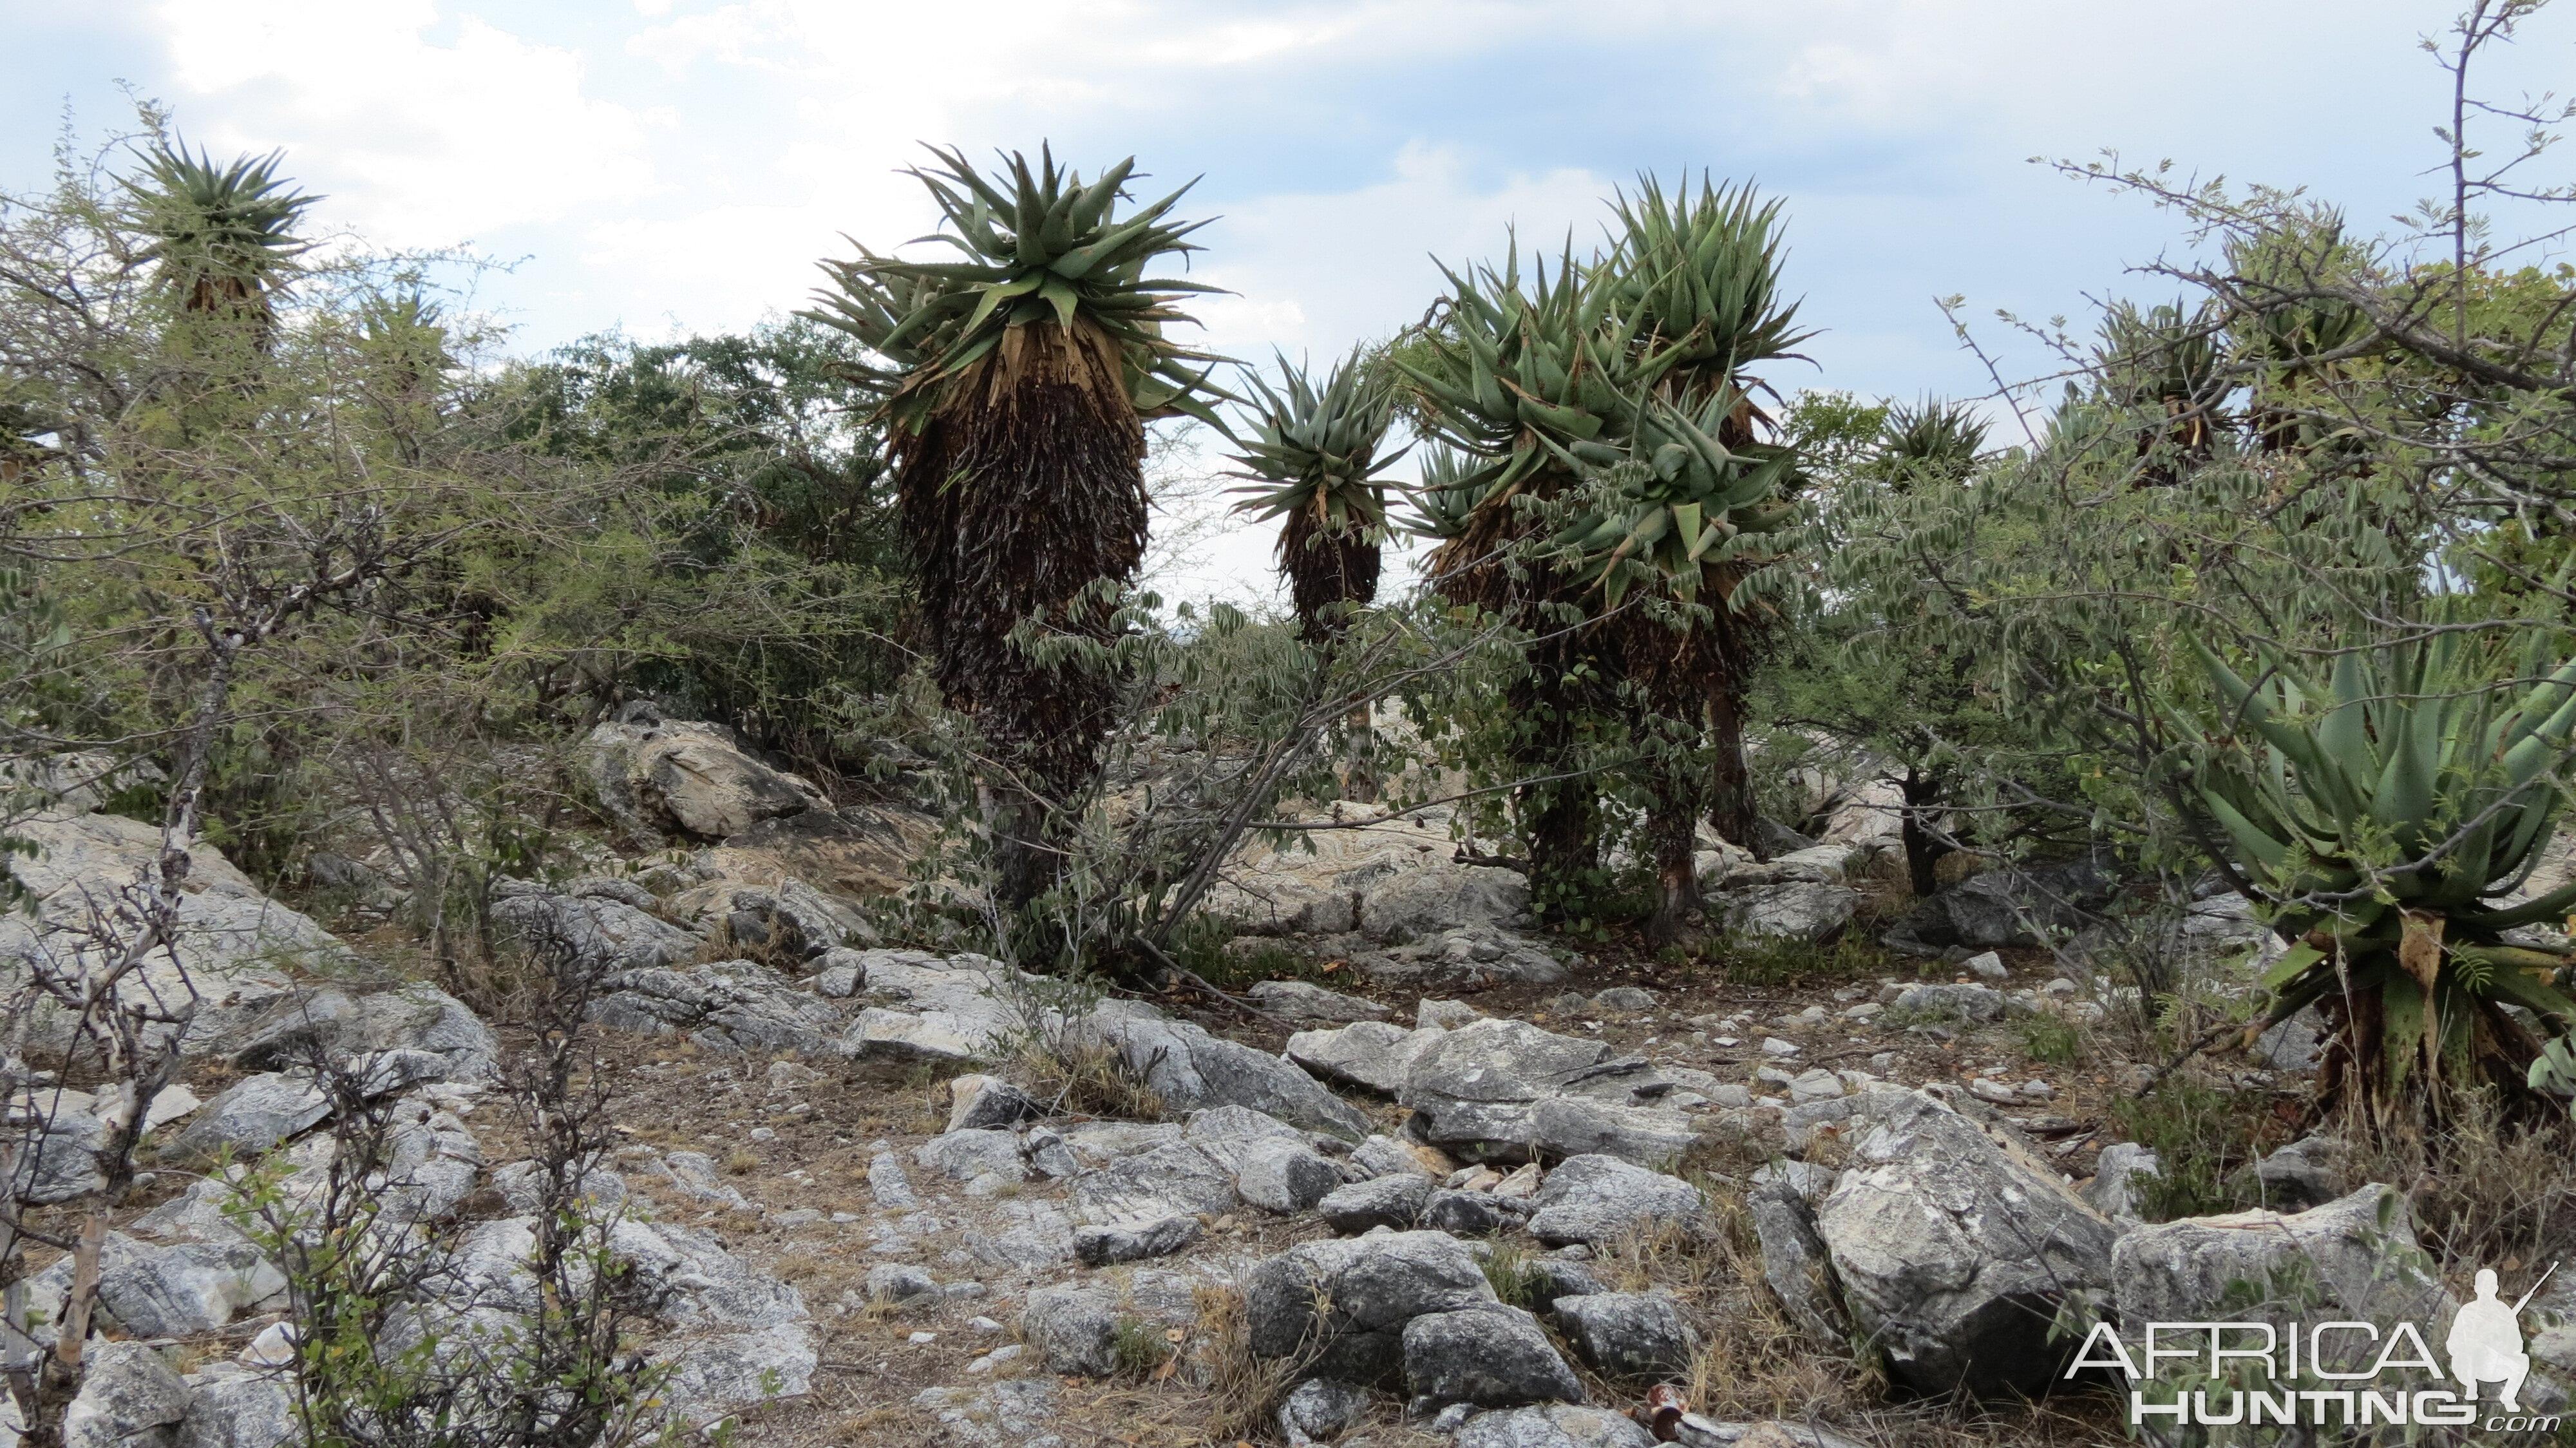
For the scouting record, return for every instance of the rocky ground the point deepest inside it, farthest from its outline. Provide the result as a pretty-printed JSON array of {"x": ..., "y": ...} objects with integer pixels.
[{"x": 1436, "y": 1176}]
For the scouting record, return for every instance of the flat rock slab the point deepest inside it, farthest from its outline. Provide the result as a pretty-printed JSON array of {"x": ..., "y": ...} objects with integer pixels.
[
  {"x": 1559, "y": 1425},
  {"x": 1299, "y": 1000},
  {"x": 1373, "y": 1054}
]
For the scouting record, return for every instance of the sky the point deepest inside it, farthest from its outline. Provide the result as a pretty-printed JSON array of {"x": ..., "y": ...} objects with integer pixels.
[{"x": 673, "y": 166}]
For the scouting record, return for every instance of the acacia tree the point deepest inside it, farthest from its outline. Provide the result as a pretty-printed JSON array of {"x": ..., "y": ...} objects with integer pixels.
[{"x": 1016, "y": 387}]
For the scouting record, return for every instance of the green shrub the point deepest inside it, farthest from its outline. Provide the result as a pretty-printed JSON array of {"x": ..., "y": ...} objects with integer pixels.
[
  {"x": 2204, "y": 1140},
  {"x": 2052, "y": 1038},
  {"x": 1139, "y": 1345},
  {"x": 1775, "y": 960}
]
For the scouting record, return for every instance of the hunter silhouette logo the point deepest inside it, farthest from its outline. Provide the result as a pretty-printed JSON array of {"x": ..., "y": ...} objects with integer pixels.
[
  {"x": 2342, "y": 1373},
  {"x": 2486, "y": 1340}
]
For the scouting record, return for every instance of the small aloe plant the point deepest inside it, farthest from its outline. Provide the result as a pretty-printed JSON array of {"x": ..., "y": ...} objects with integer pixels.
[{"x": 2385, "y": 812}]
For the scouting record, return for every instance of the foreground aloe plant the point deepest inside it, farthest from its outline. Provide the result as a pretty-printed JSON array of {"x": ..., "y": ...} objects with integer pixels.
[{"x": 2385, "y": 813}]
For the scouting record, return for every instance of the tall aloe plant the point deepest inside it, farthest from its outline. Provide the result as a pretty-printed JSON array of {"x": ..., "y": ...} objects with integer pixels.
[
  {"x": 1313, "y": 460},
  {"x": 1523, "y": 373},
  {"x": 223, "y": 238},
  {"x": 2386, "y": 810},
  {"x": 1015, "y": 385}
]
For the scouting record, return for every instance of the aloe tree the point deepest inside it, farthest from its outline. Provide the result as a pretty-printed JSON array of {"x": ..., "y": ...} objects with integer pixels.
[
  {"x": 1683, "y": 522},
  {"x": 2164, "y": 364},
  {"x": 1314, "y": 460},
  {"x": 1015, "y": 387},
  {"x": 1519, "y": 373},
  {"x": 1613, "y": 405},
  {"x": 2385, "y": 810},
  {"x": 222, "y": 238}
]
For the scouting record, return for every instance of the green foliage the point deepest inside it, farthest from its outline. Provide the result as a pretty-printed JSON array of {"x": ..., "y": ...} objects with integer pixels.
[
  {"x": 773, "y": 502},
  {"x": 1775, "y": 960},
  {"x": 2385, "y": 808},
  {"x": 1138, "y": 1345},
  {"x": 1700, "y": 276},
  {"x": 2204, "y": 1140},
  {"x": 1201, "y": 944},
  {"x": 1514, "y": 1273},
  {"x": 2052, "y": 1039},
  {"x": 1040, "y": 244},
  {"x": 220, "y": 236},
  {"x": 1314, "y": 449},
  {"x": 1683, "y": 507}
]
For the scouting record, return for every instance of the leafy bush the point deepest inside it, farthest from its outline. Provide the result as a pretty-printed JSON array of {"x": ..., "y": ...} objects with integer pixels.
[{"x": 2204, "y": 1140}]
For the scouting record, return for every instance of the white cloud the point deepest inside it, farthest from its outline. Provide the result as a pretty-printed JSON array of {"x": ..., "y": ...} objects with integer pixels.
[{"x": 418, "y": 142}]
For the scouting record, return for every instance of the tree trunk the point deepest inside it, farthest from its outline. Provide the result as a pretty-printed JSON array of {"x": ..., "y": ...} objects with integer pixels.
[
  {"x": 1360, "y": 780},
  {"x": 1560, "y": 817},
  {"x": 1923, "y": 851},
  {"x": 1672, "y": 833},
  {"x": 1730, "y": 796},
  {"x": 1024, "y": 860},
  {"x": 1023, "y": 502}
]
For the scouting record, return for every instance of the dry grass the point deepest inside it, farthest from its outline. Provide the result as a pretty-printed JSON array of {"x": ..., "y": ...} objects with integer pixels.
[
  {"x": 2486, "y": 1192},
  {"x": 1243, "y": 1391},
  {"x": 1087, "y": 1078}
]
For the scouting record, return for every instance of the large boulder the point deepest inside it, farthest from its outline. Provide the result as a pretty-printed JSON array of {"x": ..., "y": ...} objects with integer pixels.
[
  {"x": 1412, "y": 904},
  {"x": 1505, "y": 1090},
  {"x": 1312, "y": 885},
  {"x": 1955, "y": 1247},
  {"x": 330, "y": 1023},
  {"x": 2353, "y": 1258},
  {"x": 1628, "y": 1334},
  {"x": 1135, "y": 1191},
  {"x": 743, "y": 1335},
  {"x": 129, "y": 1398},
  {"x": 254, "y": 1114},
  {"x": 231, "y": 942},
  {"x": 787, "y": 920},
  {"x": 927, "y": 1008},
  {"x": 1074, "y": 1330},
  {"x": 656, "y": 777},
  {"x": 859, "y": 851},
  {"x": 1599, "y": 1198},
  {"x": 238, "y": 1407},
  {"x": 1370, "y": 1287},
  {"x": 1791, "y": 909},
  {"x": 600, "y": 931},
  {"x": 1395, "y": 1200},
  {"x": 2009, "y": 906},
  {"x": 729, "y": 1006},
  {"x": 1489, "y": 1354}
]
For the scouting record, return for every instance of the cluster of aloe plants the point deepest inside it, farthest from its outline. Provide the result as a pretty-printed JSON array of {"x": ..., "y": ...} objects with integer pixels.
[
  {"x": 1601, "y": 461},
  {"x": 2386, "y": 811}
]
